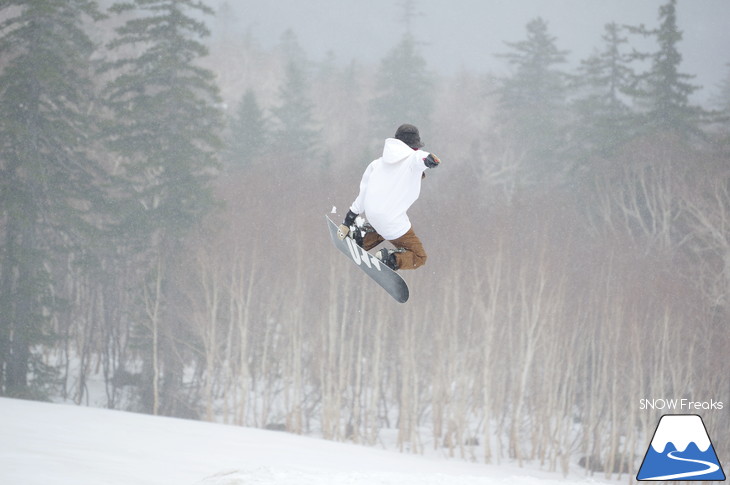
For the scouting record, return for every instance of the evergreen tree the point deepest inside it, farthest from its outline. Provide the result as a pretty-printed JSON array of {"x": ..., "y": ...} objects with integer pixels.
[
  {"x": 603, "y": 80},
  {"x": 295, "y": 134},
  {"x": 405, "y": 89},
  {"x": 166, "y": 113},
  {"x": 248, "y": 133},
  {"x": 532, "y": 101},
  {"x": 721, "y": 104},
  {"x": 291, "y": 50},
  {"x": 165, "y": 128},
  {"x": 721, "y": 99},
  {"x": 663, "y": 92},
  {"x": 47, "y": 181}
]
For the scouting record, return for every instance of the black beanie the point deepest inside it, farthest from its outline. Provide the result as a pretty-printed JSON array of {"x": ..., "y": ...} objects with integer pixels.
[{"x": 409, "y": 135}]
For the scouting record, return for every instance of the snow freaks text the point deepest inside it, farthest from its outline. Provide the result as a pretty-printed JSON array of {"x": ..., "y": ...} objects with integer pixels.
[{"x": 679, "y": 404}]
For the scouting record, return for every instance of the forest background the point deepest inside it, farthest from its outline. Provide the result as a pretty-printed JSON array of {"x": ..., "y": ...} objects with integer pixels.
[{"x": 164, "y": 250}]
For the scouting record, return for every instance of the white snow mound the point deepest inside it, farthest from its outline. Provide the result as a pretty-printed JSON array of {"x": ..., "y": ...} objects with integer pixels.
[{"x": 42, "y": 443}]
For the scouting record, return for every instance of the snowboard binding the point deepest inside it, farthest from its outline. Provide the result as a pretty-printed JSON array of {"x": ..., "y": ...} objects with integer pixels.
[
  {"x": 387, "y": 257},
  {"x": 355, "y": 231}
]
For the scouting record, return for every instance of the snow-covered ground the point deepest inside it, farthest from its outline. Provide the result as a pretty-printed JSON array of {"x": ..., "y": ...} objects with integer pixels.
[{"x": 57, "y": 444}]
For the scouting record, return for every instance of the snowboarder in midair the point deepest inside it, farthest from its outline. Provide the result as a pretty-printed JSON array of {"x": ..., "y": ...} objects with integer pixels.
[{"x": 389, "y": 186}]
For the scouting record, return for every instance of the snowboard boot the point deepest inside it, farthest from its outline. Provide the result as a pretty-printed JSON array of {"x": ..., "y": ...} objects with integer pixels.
[
  {"x": 387, "y": 257},
  {"x": 357, "y": 233}
]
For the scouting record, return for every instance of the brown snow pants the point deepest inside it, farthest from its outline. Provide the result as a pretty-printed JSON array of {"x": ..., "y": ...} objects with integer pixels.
[{"x": 413, "y": 254}]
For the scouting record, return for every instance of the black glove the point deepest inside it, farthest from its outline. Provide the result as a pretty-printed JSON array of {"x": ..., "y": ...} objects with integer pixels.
[
  {"x": 431, "y": 161},
  {"x": 350, "y": 218}
]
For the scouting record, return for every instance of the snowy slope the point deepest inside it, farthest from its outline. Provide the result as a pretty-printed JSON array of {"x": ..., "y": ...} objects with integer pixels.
[{"x": 54, "y": 444}]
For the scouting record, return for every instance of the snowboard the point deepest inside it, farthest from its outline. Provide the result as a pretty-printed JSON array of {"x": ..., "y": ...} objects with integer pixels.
[{"x": 388, "y": 279}]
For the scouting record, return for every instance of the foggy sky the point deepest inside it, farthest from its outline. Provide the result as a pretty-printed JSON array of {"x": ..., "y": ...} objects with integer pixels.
[{"x": 466, "y": 34}]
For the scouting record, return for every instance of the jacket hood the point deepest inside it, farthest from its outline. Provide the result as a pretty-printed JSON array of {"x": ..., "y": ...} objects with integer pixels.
[{"x": 395, "y": 151}]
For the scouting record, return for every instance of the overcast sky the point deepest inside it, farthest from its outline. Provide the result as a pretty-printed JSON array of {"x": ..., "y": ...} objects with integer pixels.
[{"x": 457, "y": 34}]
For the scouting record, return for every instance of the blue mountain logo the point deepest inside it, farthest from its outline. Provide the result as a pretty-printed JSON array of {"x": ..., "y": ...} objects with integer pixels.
[{"x": 681, "y": 450}]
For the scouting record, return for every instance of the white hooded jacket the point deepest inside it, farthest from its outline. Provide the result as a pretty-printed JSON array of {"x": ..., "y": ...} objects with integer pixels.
[{"x": 389, "y": 186}]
